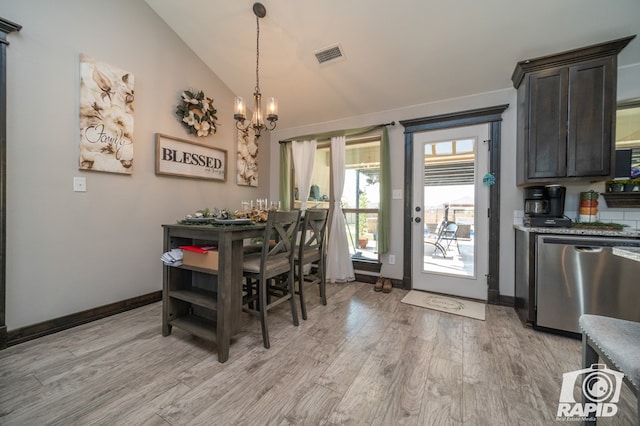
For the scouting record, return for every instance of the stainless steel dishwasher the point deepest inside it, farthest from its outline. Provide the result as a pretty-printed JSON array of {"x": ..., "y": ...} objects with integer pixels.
[{"x": 580, "y": 274}]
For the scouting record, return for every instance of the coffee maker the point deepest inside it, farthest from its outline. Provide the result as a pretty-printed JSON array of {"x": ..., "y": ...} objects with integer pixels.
[
  {"x": 536, "y": 201},
  {"x": 556, "y": 195},
  {"x": 544, "y": 206}
]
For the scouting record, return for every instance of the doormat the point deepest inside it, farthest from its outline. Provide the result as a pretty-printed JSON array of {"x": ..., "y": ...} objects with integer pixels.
[{"x": 452, "y": 305}]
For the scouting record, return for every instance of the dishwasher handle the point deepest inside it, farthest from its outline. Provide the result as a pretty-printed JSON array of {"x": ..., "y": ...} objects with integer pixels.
[
  {"x": 587, "y": 249},
  {"x": 588, "y": 241}
]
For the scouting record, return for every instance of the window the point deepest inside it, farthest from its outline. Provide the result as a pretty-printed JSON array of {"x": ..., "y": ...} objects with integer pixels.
[
  {"x": 361, "y": 195},
  {"x": 628, "y": 135}
]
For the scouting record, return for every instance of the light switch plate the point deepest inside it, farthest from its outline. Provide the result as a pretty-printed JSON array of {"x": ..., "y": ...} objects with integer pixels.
[
  {"x": 396, "y": 194},
  {"x": 79, "y": 184}
]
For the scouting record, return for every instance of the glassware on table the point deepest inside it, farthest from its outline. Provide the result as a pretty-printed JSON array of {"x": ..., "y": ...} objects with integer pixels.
[{"x": 262, "y": 204}]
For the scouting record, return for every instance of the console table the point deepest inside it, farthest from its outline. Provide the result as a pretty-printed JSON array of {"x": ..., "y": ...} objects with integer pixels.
[{"x": 206, "y": 302}]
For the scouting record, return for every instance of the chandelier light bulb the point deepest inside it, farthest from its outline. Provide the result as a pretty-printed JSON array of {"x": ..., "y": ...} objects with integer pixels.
[
  {"x": 239, "y": 112},
  {"x": 272, "y": 109}
]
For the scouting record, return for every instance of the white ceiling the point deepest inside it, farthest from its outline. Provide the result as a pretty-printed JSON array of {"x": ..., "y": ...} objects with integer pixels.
[{"x": 397, "y": 54}]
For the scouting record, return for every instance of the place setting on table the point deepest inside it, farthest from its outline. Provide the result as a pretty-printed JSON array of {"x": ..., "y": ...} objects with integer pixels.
[{"x": 249, "y": 213}]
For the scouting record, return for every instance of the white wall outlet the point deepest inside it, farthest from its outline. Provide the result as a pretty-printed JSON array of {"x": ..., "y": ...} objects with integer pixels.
[
  {"x": 396, "y": 194},
  {"x": 392, "y": 259},
  {"x": 79, "y": 184}
]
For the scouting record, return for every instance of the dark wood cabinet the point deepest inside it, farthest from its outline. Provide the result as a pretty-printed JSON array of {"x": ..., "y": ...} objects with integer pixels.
[
  {"x": 545, "y": 147},
  {"x": 566, "y": 107}
]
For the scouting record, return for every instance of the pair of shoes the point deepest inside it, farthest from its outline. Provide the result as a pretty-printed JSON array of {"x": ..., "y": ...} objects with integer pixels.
[
  {"x": 379, "y": 284},
  {"x": 386, "y": 287}
]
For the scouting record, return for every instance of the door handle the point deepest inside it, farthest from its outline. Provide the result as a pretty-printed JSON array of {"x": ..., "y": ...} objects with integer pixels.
[{"x": 418, "y": 220}]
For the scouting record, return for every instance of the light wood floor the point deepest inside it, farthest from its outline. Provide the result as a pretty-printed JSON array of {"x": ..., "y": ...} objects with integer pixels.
[{"x": 364, "y": 359}]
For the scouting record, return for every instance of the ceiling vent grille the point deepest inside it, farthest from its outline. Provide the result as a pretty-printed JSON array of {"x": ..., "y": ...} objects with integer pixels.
[{"x": 329, "y": 54}]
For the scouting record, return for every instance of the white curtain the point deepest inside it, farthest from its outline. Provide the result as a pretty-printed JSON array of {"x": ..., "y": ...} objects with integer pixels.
[
  {"x": 339, "y": 266},
  {"x": 304, "y": 155}
]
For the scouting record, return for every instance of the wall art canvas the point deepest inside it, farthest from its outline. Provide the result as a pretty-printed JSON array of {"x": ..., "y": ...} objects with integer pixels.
[
  {"x": 179, "y": 157},
  {"x": 106, "y": 117},
  {"x": 247, "y": 158}
]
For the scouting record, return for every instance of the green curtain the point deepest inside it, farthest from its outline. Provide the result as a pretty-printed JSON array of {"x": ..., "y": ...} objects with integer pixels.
[
  {"x": 285, "y": 178},
  {"x": 385, "y": 175},
  {"x": 384, "y": 220}
]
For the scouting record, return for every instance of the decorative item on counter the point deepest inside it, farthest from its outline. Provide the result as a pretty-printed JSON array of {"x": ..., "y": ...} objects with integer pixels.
[
  {"x": 588, "y": 207},
  {"x": 197, "y": 113},
  {"x": 623, "y": 185},
  {"x": 600, "y": 226}
]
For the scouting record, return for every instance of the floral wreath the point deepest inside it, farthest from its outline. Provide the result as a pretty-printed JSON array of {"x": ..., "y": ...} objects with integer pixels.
[{"x": 197, "y": 113}]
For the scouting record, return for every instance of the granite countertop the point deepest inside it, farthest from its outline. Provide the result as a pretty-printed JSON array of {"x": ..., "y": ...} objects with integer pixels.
[
  {"x": 632, "y": 253},
  {"x": 633, "y": 233}
]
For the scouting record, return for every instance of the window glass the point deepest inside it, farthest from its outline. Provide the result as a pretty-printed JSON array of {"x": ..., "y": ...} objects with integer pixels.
[
  {"x": 360, "y": 197},
  {"x": 628, "y": 137},
  {"x": 464, "y": 146}
]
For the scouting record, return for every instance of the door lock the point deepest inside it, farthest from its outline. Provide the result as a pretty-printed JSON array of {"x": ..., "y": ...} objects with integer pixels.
[{"x": 418, "y": 220}]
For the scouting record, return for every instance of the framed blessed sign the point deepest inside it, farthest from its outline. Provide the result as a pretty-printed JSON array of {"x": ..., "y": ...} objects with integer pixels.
[{"x": 178, "y": 157}]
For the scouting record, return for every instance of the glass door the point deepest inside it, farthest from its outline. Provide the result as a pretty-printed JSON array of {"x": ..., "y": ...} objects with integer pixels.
[{"x": 450, "y": 228}]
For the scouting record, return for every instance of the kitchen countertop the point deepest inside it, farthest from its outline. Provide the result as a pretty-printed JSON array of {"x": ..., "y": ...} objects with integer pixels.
[
  {"x": 579, "y": 231},
  {"x": 632, "y": 253}
]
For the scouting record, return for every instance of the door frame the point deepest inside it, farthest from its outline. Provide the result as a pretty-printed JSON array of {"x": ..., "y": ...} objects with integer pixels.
[
  {"x": 492, "y": 116},
  {"x": 6, "y": 27}
]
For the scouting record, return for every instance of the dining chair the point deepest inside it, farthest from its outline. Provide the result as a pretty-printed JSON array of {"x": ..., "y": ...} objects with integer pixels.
[
  {"x": 311, "y": 251},
  {"x": 269, "y": 274}
]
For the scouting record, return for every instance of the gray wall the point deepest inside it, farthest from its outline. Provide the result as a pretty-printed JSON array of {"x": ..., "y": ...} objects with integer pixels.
[
  {"x": 71, "y": 251},
  {"x": 511, "y": 196}
]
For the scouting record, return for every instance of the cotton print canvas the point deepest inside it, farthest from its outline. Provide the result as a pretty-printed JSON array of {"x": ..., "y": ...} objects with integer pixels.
[
  {"x": 106, "y": 117},
  {"x": 247, "y": 159}
]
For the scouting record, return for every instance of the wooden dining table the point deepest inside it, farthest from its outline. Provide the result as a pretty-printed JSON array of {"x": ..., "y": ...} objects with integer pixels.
[{"x": 206, "y": 302}]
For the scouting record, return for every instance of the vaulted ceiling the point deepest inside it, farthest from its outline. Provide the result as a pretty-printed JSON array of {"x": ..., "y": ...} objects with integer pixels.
[{"x": 396, "y": 54}]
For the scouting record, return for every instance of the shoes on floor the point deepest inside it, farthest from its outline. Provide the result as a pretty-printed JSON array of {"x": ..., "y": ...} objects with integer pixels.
[
  {"x": 386, "y": 286},
  {"x": 379, "y": 284}
]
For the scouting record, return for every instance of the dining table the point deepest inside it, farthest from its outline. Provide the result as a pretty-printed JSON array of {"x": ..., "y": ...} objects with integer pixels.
[{"x": 207, "y": 302}]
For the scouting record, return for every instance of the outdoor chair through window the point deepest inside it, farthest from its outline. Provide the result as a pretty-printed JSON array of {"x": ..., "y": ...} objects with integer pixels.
[{"x": 446, "y": 234}]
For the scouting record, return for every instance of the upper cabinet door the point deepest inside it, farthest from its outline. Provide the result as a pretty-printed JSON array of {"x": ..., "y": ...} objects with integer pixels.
[
  {"x": 590, "y": 139},
  {"x": 547, "y": 128}
]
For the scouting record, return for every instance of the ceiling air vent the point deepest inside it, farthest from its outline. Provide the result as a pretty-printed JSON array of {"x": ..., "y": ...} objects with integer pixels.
[{"x": 329, "y": 54}]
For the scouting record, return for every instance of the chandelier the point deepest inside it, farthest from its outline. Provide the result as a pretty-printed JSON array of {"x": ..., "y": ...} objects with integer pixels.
[{"x": 257, "y": 120}]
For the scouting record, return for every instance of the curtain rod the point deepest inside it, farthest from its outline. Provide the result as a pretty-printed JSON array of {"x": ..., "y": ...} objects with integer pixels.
[{"x": 392, "y": 123}]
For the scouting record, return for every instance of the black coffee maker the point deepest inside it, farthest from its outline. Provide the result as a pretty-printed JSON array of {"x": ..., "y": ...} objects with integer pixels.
[
  {"x": 544, "y": 206},
  {"x": 536, "y": 201},
  {"x": 556, "y": 195}
]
